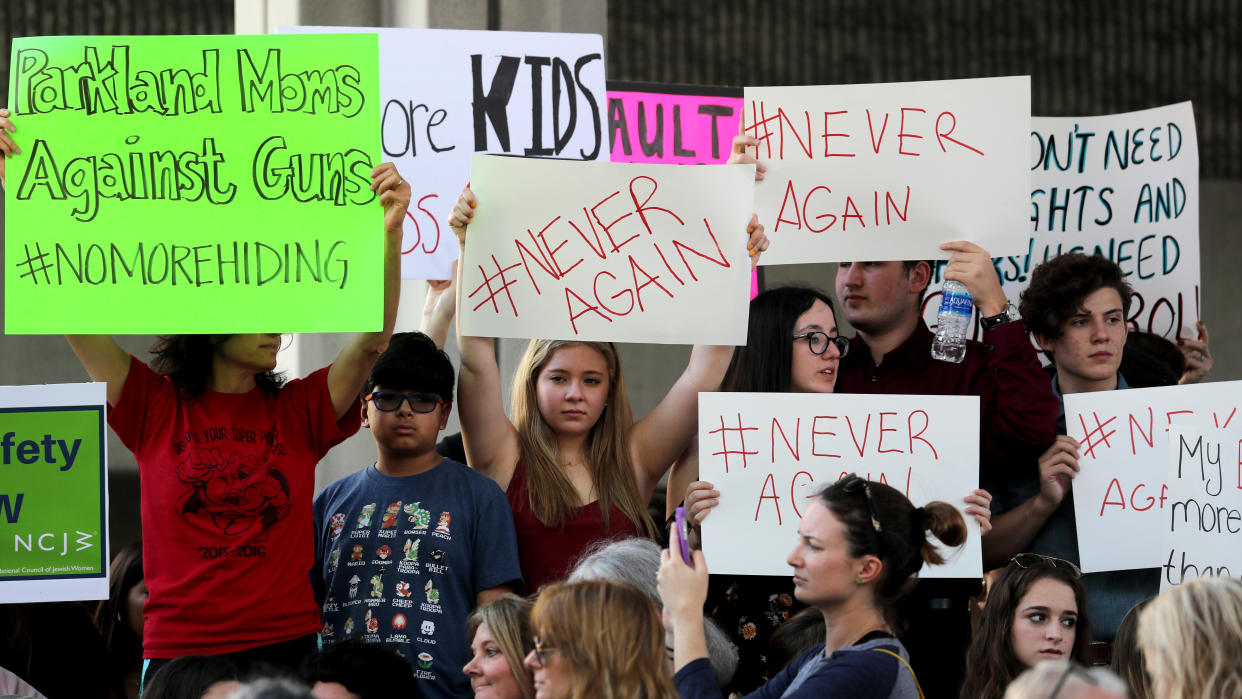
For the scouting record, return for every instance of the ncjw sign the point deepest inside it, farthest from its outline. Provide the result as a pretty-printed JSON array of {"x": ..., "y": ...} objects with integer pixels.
[{"x": 53, "y": 493}]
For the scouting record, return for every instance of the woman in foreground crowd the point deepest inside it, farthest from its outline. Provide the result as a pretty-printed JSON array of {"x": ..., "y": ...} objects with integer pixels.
[
  {"x": 1035, "y": 611},
  {"x": 1191, "y": 638},
  {"x": 859, "y": 545},
  {"x": 598, "y": 639},
  {"x": 575, "y": 466},
  {"x": 500, "y": 639}
]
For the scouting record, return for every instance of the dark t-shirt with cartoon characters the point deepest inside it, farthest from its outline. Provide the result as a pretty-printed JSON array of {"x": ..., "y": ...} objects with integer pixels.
[{"x": 400, "y": 560}]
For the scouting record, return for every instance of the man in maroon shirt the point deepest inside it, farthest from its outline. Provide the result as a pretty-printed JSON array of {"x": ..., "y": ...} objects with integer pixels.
[
  {"x": 892, "y": 353},
  {"x": 1018, "y": 411}
]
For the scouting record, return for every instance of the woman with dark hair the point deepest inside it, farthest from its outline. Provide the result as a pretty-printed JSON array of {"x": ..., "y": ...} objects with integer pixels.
[
  {"x": 226, "y": 453},
  {"x": 194, "y": 677},
  {"x": 860, "y": 545},
  {"x": 1036, "y": 610},
  {"x": 119, "y": 619},
  {"x": 793, "y": 346}
]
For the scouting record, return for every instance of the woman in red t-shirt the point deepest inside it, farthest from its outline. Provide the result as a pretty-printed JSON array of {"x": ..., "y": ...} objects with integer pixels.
[
  {"x": 226, "y": 454},
  {"x": 575, "y": 465}
]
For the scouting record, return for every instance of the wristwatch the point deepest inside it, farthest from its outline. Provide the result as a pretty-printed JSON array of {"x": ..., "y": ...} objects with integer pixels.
[{"x": 1009, "y": 314}]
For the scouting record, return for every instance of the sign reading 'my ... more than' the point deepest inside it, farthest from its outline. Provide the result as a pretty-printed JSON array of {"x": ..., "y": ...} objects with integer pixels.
[
  {"x": 193, "y": 184},
  {"x": 769, "y": 454},
  {"x": 1122, "y": 500},
  {"x": 607, "y": 251},
  {"x": 890, "y": 171},
  {"x": 450, "y": 93},
  {"x": 1204, "y": 517},
  {"x": 1122, "y": 186},
  {"x": 53, "y": 493}
]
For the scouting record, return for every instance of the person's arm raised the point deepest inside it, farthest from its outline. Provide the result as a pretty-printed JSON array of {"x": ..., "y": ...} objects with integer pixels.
[
  {"x": 349, "y": 371},
  {"x": 439, "y": 308},
  {"x": 491, "y": 442},
  {"x": 661, "y": 436},
  {"x": 104, "y": 360}
]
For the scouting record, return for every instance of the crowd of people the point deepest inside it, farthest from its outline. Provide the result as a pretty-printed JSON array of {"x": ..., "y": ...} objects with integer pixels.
[{"x": 521, "y": 559}]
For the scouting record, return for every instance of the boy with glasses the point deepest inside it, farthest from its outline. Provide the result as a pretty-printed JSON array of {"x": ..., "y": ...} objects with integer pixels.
[{"x": 407, "y": 547}]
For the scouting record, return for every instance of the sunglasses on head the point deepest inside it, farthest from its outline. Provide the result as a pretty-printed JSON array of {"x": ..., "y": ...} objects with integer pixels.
[
  {"x": 1034, "y": 560},
  {"x": 852, "y": 483}
]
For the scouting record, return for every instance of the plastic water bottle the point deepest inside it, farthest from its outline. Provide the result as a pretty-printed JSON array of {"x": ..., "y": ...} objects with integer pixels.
[{"x": 953, "y": 323}]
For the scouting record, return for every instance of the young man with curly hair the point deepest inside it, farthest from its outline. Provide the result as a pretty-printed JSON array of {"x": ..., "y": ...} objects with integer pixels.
[{"x": 1076, "y": 307}]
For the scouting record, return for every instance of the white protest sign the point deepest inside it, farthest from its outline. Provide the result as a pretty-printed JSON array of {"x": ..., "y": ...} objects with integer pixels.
[
  {"x": 1121, "y": 499},
  {"x": 615, "y": 252},
  {"x": 1122, "y": 186},
  {"x": 53, "y": 493},
  {"x": 450, "y": 93},
  {"x": 889, "y": 171},
  {"x": 1204, "y": 525},
  {"x": 769, "y": 453}
]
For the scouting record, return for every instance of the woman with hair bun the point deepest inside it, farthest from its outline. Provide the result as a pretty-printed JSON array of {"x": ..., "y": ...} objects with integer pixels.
[{"x": 860, "y": 544}]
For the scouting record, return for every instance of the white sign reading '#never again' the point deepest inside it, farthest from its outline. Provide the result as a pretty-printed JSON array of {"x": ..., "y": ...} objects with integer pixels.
[
  {"x": 769, "y": 453},
  {"x": 607, "y": 251},
  {"x": 450, "y": 93},
  {"x": 1121, "y": 497},
  {"x": 889, "y": 171}
]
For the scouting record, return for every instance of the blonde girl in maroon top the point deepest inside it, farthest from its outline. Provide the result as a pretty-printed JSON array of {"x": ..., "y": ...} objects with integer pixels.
[{"x": 576, "y": 466}]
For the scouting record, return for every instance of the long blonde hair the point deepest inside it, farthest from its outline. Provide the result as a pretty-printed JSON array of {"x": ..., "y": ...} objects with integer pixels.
[
  {"x": 607, "y": 444},
  {"x": 622, "y": 656},
  {"x": 508, "y": 619},
  {"x": 1191, "y": 638}
]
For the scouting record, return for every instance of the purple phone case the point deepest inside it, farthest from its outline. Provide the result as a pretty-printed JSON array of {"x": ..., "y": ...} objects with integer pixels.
[{"x": 682, "y": 536}]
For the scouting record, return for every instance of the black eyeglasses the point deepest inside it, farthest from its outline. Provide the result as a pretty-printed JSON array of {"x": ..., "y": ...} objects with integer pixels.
[
  {"x": 818, "y": 342},
  {"x": 1031, "y": 560},
  {"x": 853, "y": 484},
  {"x": 540, "y": 651},
  {"x": 389, "y": 401}
]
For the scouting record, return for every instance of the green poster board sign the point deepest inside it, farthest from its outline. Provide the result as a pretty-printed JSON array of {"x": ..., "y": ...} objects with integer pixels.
[
  {"x": 53, "y": 495},
  {"x": 194, "y": 184}
]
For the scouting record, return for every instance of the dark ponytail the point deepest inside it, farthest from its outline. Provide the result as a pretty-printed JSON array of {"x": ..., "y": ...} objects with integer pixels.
[
  {"x": 945, "y": 523},
  {"x": 901, "y": 543}
]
